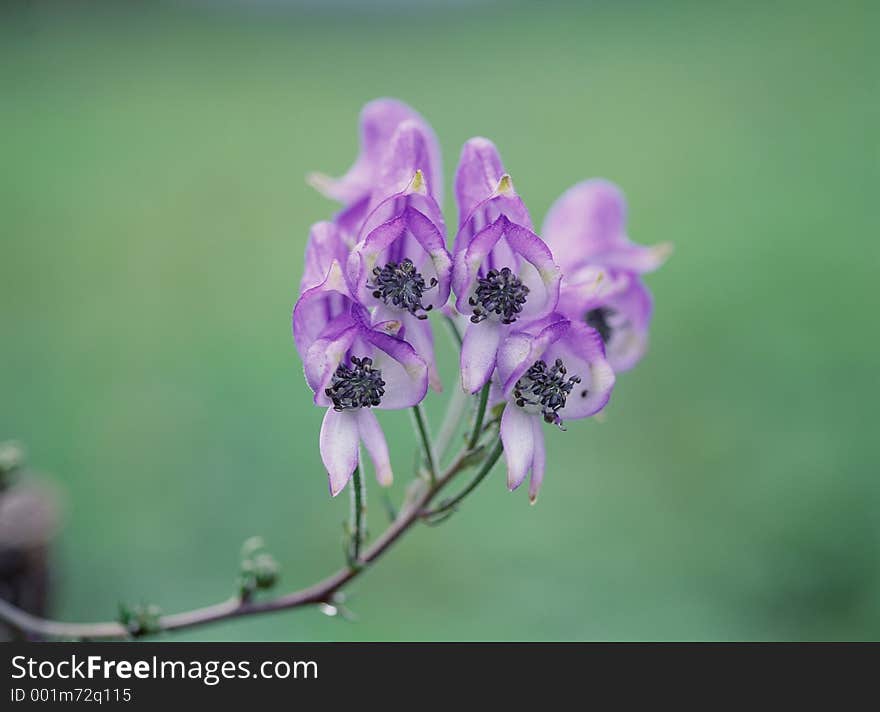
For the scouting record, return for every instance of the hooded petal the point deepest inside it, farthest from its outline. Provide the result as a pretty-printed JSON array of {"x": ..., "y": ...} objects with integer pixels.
[
  {"x": 476, "y": 178},
  {"x": 339, "y": 447},
  {"x": 587, "y": 224},
  {"x": 478, "y": 352},
  {"x": 484, "y": 191},
  {"x": 323, "y": 247},
  {"x": 518, "y": 438},
  {"x": 374, "y": 440},
  {"x": 413, "y": 149},
  {"x": 318, "y": 306},
  {"x": 379, "y": 121}
]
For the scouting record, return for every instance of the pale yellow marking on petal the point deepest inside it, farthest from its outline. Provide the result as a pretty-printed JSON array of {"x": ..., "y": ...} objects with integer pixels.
[
  {"x": 418, "y": 184},
  {"x": 320, "y": 182},
  {"x": 505, "y": 186},
  {"x": 662, "y": 251}
]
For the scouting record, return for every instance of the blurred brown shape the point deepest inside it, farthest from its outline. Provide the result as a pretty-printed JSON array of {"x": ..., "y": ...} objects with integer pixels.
[{"x": 29, "y": 519}]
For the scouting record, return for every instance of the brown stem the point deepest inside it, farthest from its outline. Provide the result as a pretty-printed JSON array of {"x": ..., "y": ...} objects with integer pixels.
[{"x": 320, "y": 592}]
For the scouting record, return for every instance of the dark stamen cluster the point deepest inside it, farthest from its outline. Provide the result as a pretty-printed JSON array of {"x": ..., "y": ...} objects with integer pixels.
[
  {"x": 402, "y": 285},
  {"x": 547, "y": 388},
  {"x": 598, "y": 319},
  {"x": 501, "y": 292},
  {"x": 360, "y": 386}
]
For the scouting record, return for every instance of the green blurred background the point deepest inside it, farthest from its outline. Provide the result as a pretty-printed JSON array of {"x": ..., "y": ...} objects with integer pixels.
[{"x": 153, "y": 215}]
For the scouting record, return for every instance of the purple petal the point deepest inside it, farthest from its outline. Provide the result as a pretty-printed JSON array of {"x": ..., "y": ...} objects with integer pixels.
[
  {"x": 631, "y": 309},
  {"x": 379, "y": 121},
  {"x": 506, "y": 244},
  {"x": 413, "y": 149},
  {"x": 404, "y": 373},
  {"x": 324, "y": 245},
  {"x": 374, "y": 439},
  {"x": 537, "y": 270},
  {"x": 476, "y": 178},
  {"x": 326, "y": 353},
  {"x": 339, "y": 447},
  {"x": 588, "y": 217},
  {"x": 478, "y": 350},
  {"x": 503, "y": 201},
  {"x": 318, "y": 306},
  {"x": 583, "y": 354},
  {"x": 408, "y": 235},
  {"x": 517, "y": 436},
  {"x": 525, "y": 346},
  {"x": 587, "y": 224}
]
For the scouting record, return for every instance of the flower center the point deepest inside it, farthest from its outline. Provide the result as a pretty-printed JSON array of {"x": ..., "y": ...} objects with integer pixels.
[
  {"x": 402, "y": 284},
  {"x": 358, "y": 386},
  {"x": 545, "y": 389},
  {"x": 598, "y": 319},
  {"x": 500, "y": 292}
]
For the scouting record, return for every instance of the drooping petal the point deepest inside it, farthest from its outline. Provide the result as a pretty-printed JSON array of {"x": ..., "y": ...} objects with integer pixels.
[
  {"x": 517, "y": 436},
  {"x": 478, "y": 352},
  {"x": 379, "y": 121},
  {"x": 339, "y": 447},
  {"x": 374, "y": 440},
  {"x": 539, "y": 460}
]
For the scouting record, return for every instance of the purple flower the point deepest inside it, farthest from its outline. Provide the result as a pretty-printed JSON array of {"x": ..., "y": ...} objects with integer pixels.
[
  {"x": 503, "y": 272},
  {"x": 400, "y": 268},
  {"x": 354, "y": 365},
  {"x": 379, "y": 121},
  {"x": 586, "y": 228},
  {"x": 551, "y": 370}
]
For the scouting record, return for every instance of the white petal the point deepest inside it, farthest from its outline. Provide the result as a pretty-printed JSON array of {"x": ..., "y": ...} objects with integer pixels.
[
  {"x": 339, "y": 447},
  {"x": 478, "y": 354},
  {"x": 374, "y": 440},
  {"x": 517, "y": 435}
]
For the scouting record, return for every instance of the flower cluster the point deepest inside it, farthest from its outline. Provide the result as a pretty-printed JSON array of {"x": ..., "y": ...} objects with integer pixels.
[{"x": 545, "y": 322}]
